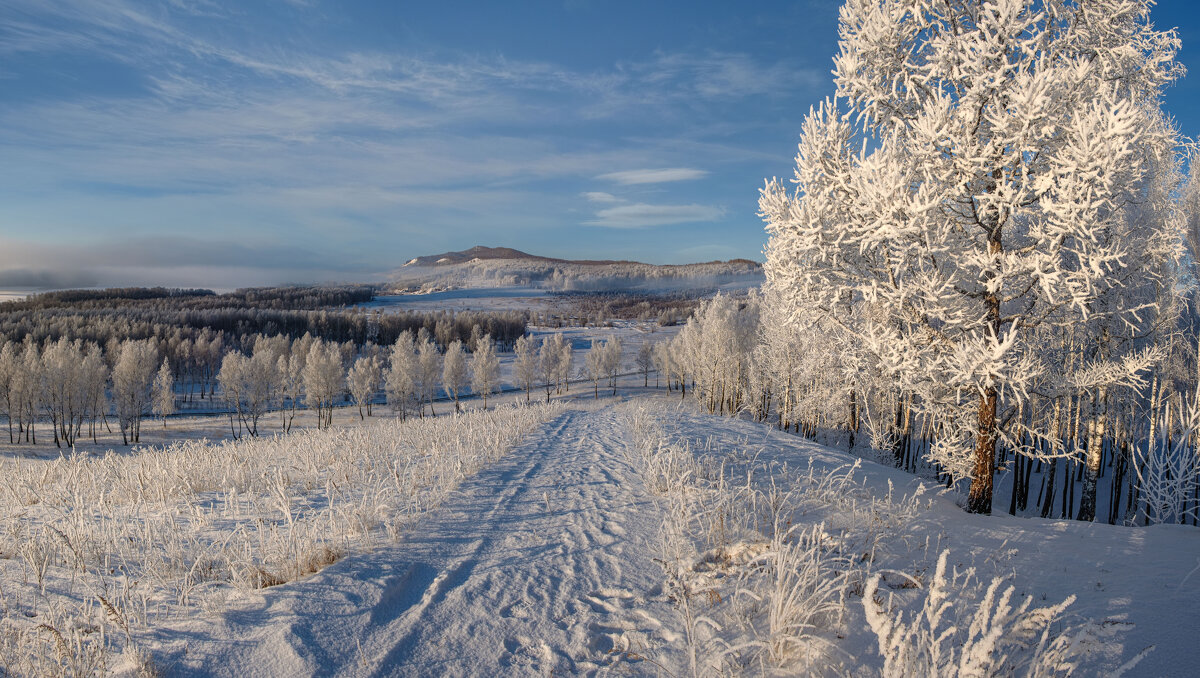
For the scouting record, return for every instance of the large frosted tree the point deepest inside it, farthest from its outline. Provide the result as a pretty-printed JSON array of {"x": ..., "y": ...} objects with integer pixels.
[{"x": 981, "y": 178}]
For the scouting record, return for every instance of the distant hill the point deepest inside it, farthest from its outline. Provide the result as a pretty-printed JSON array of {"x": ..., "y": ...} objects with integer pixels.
[
  {"x": 485, "y": 267},
  {"x": 484, "y": 253},
  {"x": 476, "y": 252}
]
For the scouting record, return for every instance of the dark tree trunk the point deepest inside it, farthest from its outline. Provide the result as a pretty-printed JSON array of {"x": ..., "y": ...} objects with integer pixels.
[{"x": 984, "y": 470}]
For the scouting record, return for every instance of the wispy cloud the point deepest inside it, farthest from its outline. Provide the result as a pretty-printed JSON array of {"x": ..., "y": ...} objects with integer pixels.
[
  {"x": 654, "y": 176},
  {"x": 601, "y": 196},
  {"x": 642, "y": 215}
]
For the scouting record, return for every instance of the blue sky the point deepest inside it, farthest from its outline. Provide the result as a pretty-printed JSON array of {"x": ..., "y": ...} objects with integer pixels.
[{"x": 220, "y": 143}]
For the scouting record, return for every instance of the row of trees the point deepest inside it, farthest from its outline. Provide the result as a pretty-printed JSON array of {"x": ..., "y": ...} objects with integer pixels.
[
  {"x": 548, "y": 364},
  {"x": 738, "y": 357},
  {"x": 195, "y": 340},
  {"x": 69, "y": 384},
  {"x": 310, "y": 297},
  {"x": 77, "y": 384},
  {"x": 278, "y": 374}
]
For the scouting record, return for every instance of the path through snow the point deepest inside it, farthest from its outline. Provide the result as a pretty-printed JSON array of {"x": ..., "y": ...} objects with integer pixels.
[{"x": 536, "y": 566}]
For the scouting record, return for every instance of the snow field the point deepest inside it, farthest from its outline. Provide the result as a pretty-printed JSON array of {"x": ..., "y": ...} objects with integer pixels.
[
  {"x": 630, "y": 537},
  {"x": 782, "y": 556},
  {"x": 539, "y": 565},
  {"x": 95, "y": 551}
]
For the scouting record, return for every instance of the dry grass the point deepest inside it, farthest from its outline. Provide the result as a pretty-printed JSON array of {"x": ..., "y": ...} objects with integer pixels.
[{"x": 92, "y": 549}]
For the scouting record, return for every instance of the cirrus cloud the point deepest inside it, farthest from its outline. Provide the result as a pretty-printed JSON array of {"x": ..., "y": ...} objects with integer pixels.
[
  {"x": 654, "y": 176},
  {"x": 643, "y": 215},
  {"x": 600, "y": 196}
]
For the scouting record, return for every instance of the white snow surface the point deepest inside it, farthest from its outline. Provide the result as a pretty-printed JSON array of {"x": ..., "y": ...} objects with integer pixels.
[
  {"x": 519, "y": 574},
  {"x": 543, "y": 565}
]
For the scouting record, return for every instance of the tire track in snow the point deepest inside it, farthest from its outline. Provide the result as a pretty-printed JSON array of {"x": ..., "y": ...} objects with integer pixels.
[{"x": 533, "y": 567}]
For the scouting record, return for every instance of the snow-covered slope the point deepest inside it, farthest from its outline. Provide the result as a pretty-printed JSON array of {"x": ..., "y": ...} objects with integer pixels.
[
  {"x": 519, "y": 574},
  {"x": 553, "y": 562}
]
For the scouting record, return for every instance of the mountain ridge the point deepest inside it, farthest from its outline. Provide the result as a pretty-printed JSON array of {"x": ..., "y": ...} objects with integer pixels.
[{"x": 485, "y": 253}]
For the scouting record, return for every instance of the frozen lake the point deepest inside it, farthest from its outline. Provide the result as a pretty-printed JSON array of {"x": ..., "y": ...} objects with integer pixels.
[{"x": 17, "y": 294}]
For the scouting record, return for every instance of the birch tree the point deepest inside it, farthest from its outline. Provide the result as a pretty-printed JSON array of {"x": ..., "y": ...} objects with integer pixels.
[
  {"x": 525, "y": 364},
  {"x": 164, "y": 392},
  {"x": 290, "y": 368},
  {"x": 563, "y": 368},
  {"x": 980, "y": 179},
  {"x": 363, "y": 381},
  {"x": 485, "y": 368},
  {"x": 324, "y": 379},
  {"x": 429, "y": 368},
  {"x": 645, "y": 361},
  {"x": 131, "y": 376},
  {"x": 611, "y": 361},
  {"x": 8, "y": 395},
  {"x": 550, "y": 360},
  {"x": 401, "y": 381},
  {"x": 454, "y": 372},
  {"x": 594, "y": 365}
]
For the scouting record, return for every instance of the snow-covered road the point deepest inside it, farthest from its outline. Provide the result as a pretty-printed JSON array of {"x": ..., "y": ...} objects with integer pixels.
[{"x": 536, "y": 566}]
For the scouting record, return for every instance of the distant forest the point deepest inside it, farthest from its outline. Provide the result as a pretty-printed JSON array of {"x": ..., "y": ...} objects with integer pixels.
[{"x": 171, "y": 315}]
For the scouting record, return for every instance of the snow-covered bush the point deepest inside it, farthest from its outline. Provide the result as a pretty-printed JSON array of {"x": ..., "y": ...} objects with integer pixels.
[
  {"x": 955, "y": 633},
  {"x": 804, "y": 593}
]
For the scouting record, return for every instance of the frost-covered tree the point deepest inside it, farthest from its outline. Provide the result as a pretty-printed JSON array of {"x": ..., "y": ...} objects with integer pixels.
[
  {"x": 525, "y": 363},
  {"x": 290, "y": 368},
  {"x": 251, "y": 384},
  {"x": 611, "y": 361},
  {"x": 25, "y": 383},
  {"x": 164, "y": 392},
  {"x": 400, "y": 384},
  {"x": 429, "y": 369},
  {"x": 363, "y": 381},
  {"x": 715, "y": 348},
  {"x": 324, "y": 380},
  {"x": 550, "y": 361},
  {"x": 662, "y": 363},
  {"x": 132, "y": 375},
  {"x": 645, "y": 361},
  {"x": 485, "y": 368},
  {"x": 562, "y": 375},
  {"x": 594, "y": 365},
  {"x": 455, "y": 377},
  {"x": 94, "y": 382},
  {"x": 8, "y": 368},
  {"x": 233, "y": 381},
  {"x": 983, "y": 179},
  {"x": 62, "y": 392}
]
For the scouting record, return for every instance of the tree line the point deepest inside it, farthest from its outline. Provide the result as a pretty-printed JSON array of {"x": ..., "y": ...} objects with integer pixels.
[{"x": 80, "y": 388}]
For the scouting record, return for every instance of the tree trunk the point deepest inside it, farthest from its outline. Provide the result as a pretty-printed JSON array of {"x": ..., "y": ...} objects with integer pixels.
[
  {"x": 853, "y": 423},
  {"x": 983, "y": 473},
  {"x": 1095, "y": 456}
]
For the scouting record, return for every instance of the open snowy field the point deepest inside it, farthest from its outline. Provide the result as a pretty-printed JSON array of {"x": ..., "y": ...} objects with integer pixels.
[{"x": 627, "y": 535}]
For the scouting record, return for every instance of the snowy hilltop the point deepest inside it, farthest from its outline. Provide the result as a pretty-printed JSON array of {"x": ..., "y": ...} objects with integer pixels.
[{"x": 488, "y": 267}]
